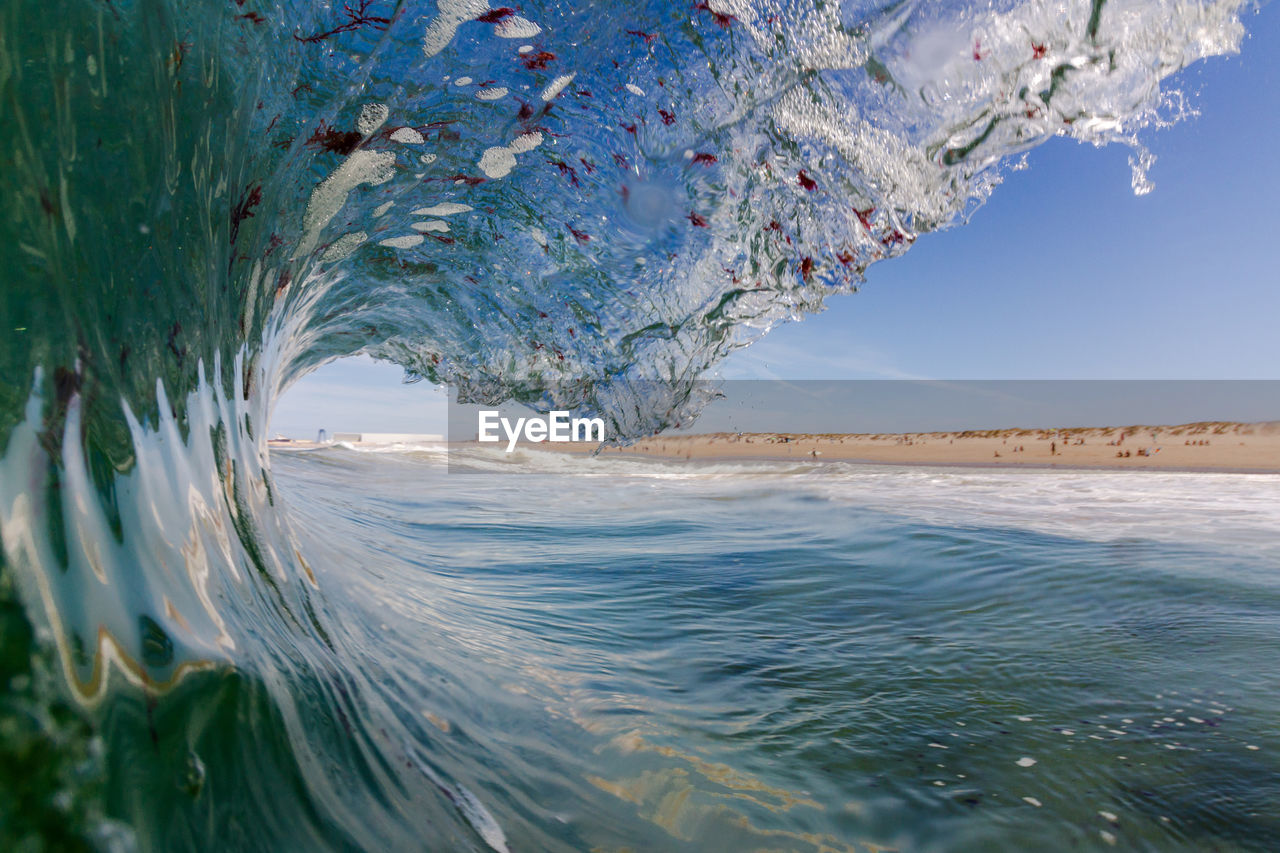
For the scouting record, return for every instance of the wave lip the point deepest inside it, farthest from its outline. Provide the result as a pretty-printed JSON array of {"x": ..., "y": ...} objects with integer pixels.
[{"x": 605, "y": 236}]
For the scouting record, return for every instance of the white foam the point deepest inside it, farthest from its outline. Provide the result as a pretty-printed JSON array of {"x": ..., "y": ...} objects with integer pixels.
[
  {"x": 556, "y": 86},
  {"x": 526, "y": 142},
  {"x": 330, "y": 195},
  {"x": 408, "y": 241},
  {"x": 450, "y": 14},
  {"x": 492, "y": 94},
  {"x": 480, "y": 819},
  {"x": 431, "y": 225},
  {"x": 1236, "y": 512},
  {"x": 343, "y": 246},
  {"x": 408, "y": 136},
  {"x": 1026, "y": 762},
  {"x": 516, "y": 27},
  {"x": 498, "y": 162},
  {"x": 635, "y": 90},
  {"x": 396, "y": 447},
  {"x": 372, "y": 117},
  {"x": 447, "y": 208}
]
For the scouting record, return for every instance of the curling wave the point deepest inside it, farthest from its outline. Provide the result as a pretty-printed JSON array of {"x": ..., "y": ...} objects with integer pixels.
[{"x": 205, "y": 201}]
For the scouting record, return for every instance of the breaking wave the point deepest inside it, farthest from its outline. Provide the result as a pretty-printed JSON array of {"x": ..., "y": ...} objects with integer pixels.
[{"x": 206, "y": 201}]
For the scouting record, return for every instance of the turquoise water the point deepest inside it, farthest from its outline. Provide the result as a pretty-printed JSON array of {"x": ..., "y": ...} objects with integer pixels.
[{"x": 207, "y": 647}]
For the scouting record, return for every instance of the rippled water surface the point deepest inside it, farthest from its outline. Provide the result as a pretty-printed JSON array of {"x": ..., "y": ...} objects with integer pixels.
[{"x": 631, "y": 654}]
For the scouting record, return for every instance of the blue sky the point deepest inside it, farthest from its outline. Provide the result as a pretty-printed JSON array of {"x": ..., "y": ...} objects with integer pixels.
[{"x": 1063, "y": 274}]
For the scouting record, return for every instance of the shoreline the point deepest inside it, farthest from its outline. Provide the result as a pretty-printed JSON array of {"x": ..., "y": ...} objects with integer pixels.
[
  {"x": 994, "y": 465},
  {"x": 1204, "y": 447},
  {"x": 1210, "y": 446}
]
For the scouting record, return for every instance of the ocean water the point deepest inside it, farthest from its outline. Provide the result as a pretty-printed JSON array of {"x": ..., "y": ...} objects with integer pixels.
[
  {"x": 616, "y": 654},
  {"x": 209, "y": 647}
]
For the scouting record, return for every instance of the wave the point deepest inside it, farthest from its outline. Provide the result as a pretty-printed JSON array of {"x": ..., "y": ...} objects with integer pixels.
[
  {"x": 208, "y": 200},
  {"x": 1095, "y": 505}
]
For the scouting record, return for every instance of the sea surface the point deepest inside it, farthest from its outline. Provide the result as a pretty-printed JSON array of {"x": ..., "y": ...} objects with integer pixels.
[
  {"x": 616, "y": 654},
  {"x": 581, "y": 206}
]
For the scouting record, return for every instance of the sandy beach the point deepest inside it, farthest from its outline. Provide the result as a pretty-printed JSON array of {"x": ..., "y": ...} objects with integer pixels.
[{"x": 1205, "y": 446}]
